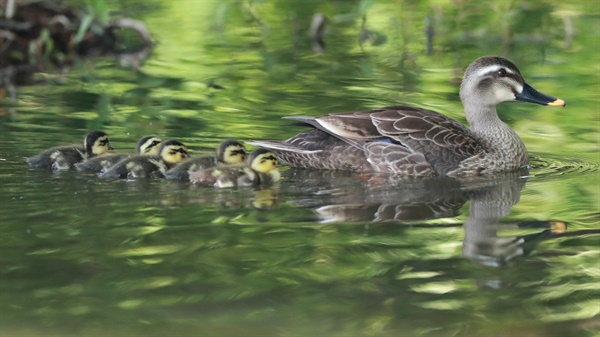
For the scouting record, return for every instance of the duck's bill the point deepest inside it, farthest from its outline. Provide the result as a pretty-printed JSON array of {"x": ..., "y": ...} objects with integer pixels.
[
  {"x": 529, "y": 94},
  {"x": 110, "y": 147}
]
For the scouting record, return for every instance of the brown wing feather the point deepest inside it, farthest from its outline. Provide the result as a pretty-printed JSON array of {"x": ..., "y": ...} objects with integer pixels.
[
  {"x": 397, "y": 159},
  {"x": 443, "y": 141}
]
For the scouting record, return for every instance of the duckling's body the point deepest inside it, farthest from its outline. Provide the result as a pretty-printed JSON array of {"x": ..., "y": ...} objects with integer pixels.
[
  {"x": 146, "y": 146},
  {"x": 65, "y": 157},
  {"x": 170, "y": 153},
  {"x": 419, "y": 142},
  {"x": 260, "y": 169},
  {"x": 229, "y": 152}
]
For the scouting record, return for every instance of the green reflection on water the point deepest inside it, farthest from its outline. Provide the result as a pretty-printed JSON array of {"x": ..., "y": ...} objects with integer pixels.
[{"x": 82, "y": 256}]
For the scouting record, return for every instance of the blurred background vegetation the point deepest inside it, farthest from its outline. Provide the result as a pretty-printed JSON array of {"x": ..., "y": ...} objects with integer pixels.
[{"x": 82, "y": 256}]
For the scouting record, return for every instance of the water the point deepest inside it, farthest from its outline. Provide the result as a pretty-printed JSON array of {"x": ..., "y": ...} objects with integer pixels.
[{"x": 322, "y": 253}]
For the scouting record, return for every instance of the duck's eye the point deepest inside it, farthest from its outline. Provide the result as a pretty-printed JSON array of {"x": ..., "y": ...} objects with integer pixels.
[{"x": 501, "y": 72}]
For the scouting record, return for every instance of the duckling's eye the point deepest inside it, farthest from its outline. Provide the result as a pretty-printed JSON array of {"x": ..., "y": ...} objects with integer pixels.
[
  {"x": 501, "y": 72},
  {"x": 103, "y": 142},
  {"x": 154, "y": 143}
]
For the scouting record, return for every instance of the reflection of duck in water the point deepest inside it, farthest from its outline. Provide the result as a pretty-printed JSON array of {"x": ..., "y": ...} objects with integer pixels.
[
  {"x": 146, "y": 146},
  {"x": 420, "y": 142},
  {"x": 64, "y": 157},
  {"x": 409, "y": 203}
]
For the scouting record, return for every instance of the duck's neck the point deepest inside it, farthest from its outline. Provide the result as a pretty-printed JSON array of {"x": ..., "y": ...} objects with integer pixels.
[{"x": 498, "y": 138}]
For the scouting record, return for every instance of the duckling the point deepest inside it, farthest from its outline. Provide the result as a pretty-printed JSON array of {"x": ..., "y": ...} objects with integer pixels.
[
  {"x": 64, "y": 157},
  {"x": 146, "y": 146},
  {"x": 170, "y": 153},
  {"x": 229, "y": 152},
  {"x": 259, "y": 169}
]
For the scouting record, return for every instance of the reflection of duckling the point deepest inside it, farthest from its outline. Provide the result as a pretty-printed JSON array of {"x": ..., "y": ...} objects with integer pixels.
[
  {"x": 170, "y": 153},
  {"x": 260, "y": 169},
  {"x": 229, "y": 152},
  {"x": 64, "y": 157},
  {"x": 146, "y": 146},
  {"x": 264, "y": 199}
]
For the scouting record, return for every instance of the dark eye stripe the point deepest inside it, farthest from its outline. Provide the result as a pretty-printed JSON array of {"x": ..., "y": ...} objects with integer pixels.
[
  {"x": 269, "y": 158},
  {"x": 512, "y": 76}
]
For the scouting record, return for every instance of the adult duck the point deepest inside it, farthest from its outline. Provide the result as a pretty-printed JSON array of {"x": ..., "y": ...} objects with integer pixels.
[{"x": 420, "y": 142}]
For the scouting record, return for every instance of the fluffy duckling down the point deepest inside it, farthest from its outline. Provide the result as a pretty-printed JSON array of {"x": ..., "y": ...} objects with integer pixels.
[
  {"x": 146, "y": 146},
  {"x": 228, "y": 153},
  {"x": 259, "y": 169},
  {"x": 65, "y": 157},
  {"x": 170, "y": 153}
]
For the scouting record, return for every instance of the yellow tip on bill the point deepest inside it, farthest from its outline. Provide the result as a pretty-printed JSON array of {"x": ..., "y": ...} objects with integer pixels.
[{"x": 558, "y": 102}]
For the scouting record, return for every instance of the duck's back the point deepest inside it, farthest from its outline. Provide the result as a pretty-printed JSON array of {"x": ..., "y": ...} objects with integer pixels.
[
  {"x": 58, "y": 158},
  {"x": 224, "y": 176},
  {"x": 320, "y": 150},
  {"x": 135, "y": 167},
  {"x": 394, "y": 139},
  {"x": 100, "y": 163},
  {"x": 181, "y": 171},
  {"x": 443, "y": 142}
]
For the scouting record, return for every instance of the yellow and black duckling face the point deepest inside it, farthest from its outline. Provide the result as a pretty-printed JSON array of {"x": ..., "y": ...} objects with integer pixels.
[
  {"x": 173, "y": 152},
  {"x": 262, "y": 160},
  {"x": 231, "y": 152},
  {"x": 148, "y": 146},
  {"x": 97, "y": 143}
]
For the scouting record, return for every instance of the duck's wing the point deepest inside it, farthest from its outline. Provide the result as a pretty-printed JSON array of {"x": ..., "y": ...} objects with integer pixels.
[
  {"x": 354, "y": 128},
  {"x": 442, "y": 141},
  {"x": 134, "y": 167},
  {"x": 100, "y": 163},
  {"x": 181, "y": 171},
  {"x": 397, "y": 159},
  {"x": 58, "y": 158},
  {"x": 318, "y": 149}
]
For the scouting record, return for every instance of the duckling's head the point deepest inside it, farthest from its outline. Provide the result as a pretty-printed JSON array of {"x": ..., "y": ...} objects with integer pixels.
[
  {"x": 231, "y": 152},
  {"x": 262, "y": 160},
  {"x": 148, "y": 146},
  {"x": 172, "y": 151},
  {"x": 491, "y": 80},
  {"x": 97, "y": 143}
]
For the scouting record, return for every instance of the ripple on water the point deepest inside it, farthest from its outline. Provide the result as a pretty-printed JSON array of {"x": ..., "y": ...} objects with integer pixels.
[{"x": 548, "y": 167}]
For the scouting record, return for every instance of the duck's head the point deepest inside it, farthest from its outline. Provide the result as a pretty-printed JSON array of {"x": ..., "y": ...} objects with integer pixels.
[
  {"x": 231, "y": 152},
  {"x": 172, "y": 152},
  {"x": 490, "y": 80},
  {"x": 97, "y": 143},
  {"x": 148, "y": 146},
  {"x": 262, "y": 160}
]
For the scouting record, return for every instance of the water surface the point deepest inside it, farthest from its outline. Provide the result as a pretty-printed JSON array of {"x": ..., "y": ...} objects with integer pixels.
[{"x": 321, "y": 253}]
